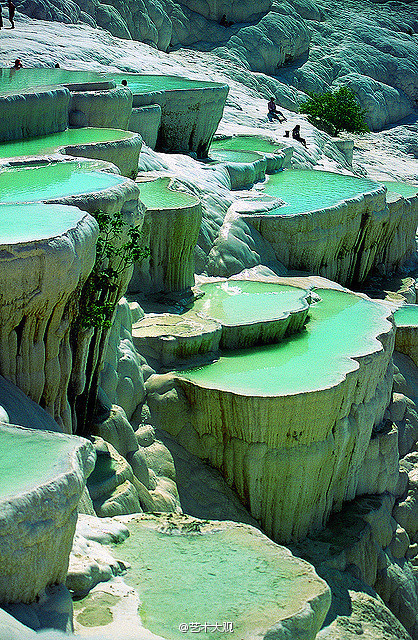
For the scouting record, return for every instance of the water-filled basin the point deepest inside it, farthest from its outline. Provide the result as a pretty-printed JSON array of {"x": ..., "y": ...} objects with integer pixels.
[
  {"x": 12, "y": 81},
  {"x": 29, "y": 222},
  {"x": 245, "y": 301},
  {"x": 403, "y": 188},
  {"x": 305, "y": 190},
  {"x": 341, "y": 326},
  {"x": 406, "y": 316},
  {"x": 22, "y": 451},
  {"x": 245, "y": 143},
  {"x": 43, "y": 145},
  {"x": 54, "y": 180},
  {"x": 230, "y": 155},
  {"x": 156, "y": 194}
]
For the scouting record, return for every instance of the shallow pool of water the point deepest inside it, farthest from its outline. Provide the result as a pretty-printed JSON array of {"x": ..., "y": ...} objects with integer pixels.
[
  {"x": 216, "y": 577},
  {"x": 27, "y": 222},
  {"x": 340, "y": 326},
  {"x": 229, "y": 155},
  {"x": 245, "y": 302},
  {"x": 245, "y": 143},
  {"x": 407, "y": 316},
  {"x": 29, "y": 459},
  {"x": 403, "y": 188},
  {"x": 22, "y": 79},
  {"x": 155, "y": 194},
  {"x": 44, "y": 145},
  {"x": 305, "y": 190},
  {"x": 55, "y": 180}
]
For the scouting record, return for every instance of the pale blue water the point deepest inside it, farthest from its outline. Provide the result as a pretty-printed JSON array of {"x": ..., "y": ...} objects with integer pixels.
[
  {"x": 43, "y": 145},
  {"x": 21, "y": 79},
  {"x": 26, "y": 222},
  {"x": 305, "y": 190},
  {"x": 340, "y": 326},
  {"x": 55, "y": 180},
  {"x": 244, "y": 302},
  {"x": 403, "y": 188},
  {"x": 407, "y": 316}
]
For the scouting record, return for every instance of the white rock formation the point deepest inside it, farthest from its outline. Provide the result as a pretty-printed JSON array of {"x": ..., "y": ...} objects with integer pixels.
[
  {"x": 38, "y": 523},
  {"x": 111, "y": 108}
]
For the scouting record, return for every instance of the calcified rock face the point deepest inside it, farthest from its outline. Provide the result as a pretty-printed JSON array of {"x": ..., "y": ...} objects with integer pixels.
[
  {"x": 290, "y": 440},
  {"x": 38, "y": 508},
  {"x": 33, "y": 113},
  {"x": 101, "y": 108},
  {"x": 171, "y": 225},
  {"x": 189, "y": 117},
  {"x": 43, "y": 264}
]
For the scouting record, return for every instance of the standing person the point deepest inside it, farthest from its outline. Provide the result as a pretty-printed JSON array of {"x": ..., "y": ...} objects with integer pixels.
[
  {"x": 12, "y": 9},
  {"x": 273, "y": 112},
  {"x": 1, "y": 18}
]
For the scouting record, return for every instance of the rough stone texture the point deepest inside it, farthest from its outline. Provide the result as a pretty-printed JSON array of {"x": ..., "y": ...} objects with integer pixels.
[
  {"x": 236, "y": 11},
  {"x": 171, "y": 235},
  {"x": 243, "y": 175},
  {"x": 189, "y": 117},
  {"x": 239, "y": 435},
  {"x": 110, "y": 108},
  {"x": 169, "y": 339},
  {"x": 33, "y": 113},
  {"x": 37, "y": 526},
  {"x": 406, "y": 341},
  {"x": 122, "y": 376},
  {"x": 146, "y": 121},
  {"x": 122, "y": 153},
  {"x": 40, "y": 284}
]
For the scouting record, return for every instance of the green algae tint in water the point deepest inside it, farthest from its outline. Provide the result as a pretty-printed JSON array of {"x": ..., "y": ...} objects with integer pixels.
[
  {"x": 56, "y": 180},
  {"x": 340, "y": 327},
  {"x": 155, "y": 194},
  {"x": 29, "y": 459},
  {"x": 403, "y": 188},
  {"x": 43, "y": 145},
  {"x": 28, "y": 222},
  {"x": 245, "y": 143},
  {"x": 406, "y": 316},
  {"x": 214, "y": 577},
  {"x": 305, "y": 190},
  {"x": 244, "y": 302}
]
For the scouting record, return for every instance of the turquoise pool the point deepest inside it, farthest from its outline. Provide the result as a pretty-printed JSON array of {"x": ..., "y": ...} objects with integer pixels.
[
  {"x": 30, "y": 222},
  {"x": 56, "y": 180},
  {"x": 304, "y": 190}
]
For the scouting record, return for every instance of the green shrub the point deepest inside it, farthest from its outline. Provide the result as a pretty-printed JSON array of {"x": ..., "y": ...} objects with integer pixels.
[{"x": 338, "y": 110}]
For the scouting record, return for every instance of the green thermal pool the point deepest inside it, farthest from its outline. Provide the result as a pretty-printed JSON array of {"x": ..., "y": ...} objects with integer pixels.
[
  {"x": 229, "y": 155},
  {"x": 342, "y": 325},
  {"x": 403, "y": 188},
  {"x": 156, "y": 194},
  {"x": 23, "y": 79},
  {"x": 29, "y": 222},
  {"x": 245, "y": 302},
  {"x": 21, "y": 453},
  {"x": 406, "y": 316},
  {"x": 244, "y": 143},
  {"x": 55, "y": 180},
  {"x": 43, "y": 145},
  {"x": 305, "y": 190},
  {"x": 220, "y": 576}
]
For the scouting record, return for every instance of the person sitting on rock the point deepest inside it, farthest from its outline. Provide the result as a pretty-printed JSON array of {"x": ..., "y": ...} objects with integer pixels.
[
  {"x": 12, "y": 9},
  {"x": 224, "y": 22},
  {"x": 274, "y": 113},
  {"x": 296, "y": 135}
]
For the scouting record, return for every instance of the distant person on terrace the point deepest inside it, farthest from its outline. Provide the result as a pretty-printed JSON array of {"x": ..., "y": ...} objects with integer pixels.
[
  {"x": 296, "y": 135},
  {"x": 17, "y": 64},
  {"x": 12, "y": 9},
  {"x": 274, "y": 113}
]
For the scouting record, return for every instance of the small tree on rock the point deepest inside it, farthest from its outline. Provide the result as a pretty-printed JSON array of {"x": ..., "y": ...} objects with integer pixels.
[{"x": 335, "y": 111}]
